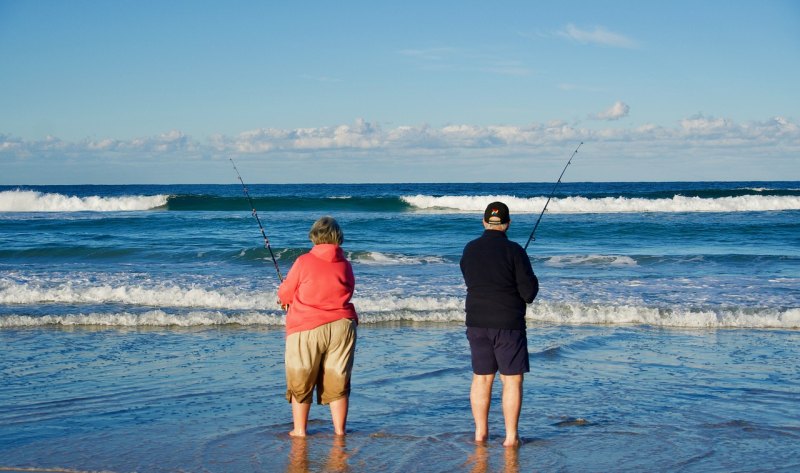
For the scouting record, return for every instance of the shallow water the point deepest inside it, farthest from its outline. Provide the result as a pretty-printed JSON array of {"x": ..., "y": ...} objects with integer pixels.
[
  {"x": 598, "y": 398},
  {"x": 139, "y": 329}
]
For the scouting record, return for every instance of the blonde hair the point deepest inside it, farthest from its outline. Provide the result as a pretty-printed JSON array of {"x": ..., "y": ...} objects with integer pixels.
[{"x": 326, "y": 230}]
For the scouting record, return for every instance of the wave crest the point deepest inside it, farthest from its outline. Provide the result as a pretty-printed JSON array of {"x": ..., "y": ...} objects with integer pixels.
[
  {"x": 378, "y": 258},
  {"x": 590, "y": 260},
  {"x": 566, "y": 205},
  {"x": 152, "y": 318},
  {"x": 190, "y": 307},
  {"x": 33, "y": 201}
]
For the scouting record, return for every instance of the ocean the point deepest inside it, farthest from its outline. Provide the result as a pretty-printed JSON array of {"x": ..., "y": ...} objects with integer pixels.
[{"x": 140, "y": 332}]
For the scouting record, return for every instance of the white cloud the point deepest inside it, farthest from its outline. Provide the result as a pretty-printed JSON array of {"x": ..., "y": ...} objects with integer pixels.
[
  {"x": 617, "y": 111},
  {"x": 362, "y": 138},
  {"x": 699, "y": 125},
  {"x": 598, "y": 35}
]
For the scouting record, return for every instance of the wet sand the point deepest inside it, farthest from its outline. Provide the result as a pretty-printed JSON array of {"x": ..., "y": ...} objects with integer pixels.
[{"x": 598, "y": 398}]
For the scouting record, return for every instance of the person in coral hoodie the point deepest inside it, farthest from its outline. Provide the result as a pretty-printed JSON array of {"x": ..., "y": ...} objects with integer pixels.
[{"x": 320, "y": 327}]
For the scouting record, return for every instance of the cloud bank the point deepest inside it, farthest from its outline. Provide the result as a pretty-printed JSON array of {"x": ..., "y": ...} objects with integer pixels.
[
  {"x": 363, "y": 135},
  {"x": 363, "y": 151}
]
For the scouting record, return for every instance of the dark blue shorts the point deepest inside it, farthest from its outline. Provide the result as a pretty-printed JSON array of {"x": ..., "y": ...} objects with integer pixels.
[{"x": 500, "y": 349}]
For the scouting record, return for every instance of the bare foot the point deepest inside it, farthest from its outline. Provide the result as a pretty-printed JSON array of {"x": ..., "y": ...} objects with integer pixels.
[
  {"x": 481, "y": 438},
  {"x": 511, "y": 442},
  {"x": 297, "y": 434}
]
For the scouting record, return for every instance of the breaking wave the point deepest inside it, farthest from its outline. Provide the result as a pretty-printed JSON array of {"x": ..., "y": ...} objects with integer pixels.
[
  {"x": 678, "y": 203},
  {"x": 377, "y": 258},
  {"x": 133, "y": 306},
  {"x": 33, "y": 201},
  {"x": 590, "y": 260}
]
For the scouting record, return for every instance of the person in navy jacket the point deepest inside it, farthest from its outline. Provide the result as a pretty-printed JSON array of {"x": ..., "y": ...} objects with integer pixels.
[{"x": 500, "y": 283}]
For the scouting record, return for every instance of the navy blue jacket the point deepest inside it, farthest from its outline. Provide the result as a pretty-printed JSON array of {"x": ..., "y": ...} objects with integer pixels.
[{"x": 500, "y": 281}]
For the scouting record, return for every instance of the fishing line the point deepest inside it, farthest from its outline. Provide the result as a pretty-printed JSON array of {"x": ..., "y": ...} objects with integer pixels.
[
  {"x": 255, "y": 214},
  {"x": 551, "y": 195}
]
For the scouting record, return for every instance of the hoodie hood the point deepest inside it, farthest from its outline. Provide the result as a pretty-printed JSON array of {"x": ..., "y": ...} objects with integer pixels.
[{"x": 328, "y": 252}]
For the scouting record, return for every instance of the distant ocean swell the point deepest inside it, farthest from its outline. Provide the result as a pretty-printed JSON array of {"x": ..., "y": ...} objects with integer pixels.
[{"x": 34, "y": 201}]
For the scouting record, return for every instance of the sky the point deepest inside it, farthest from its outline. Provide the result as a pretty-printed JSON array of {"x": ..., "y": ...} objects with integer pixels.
[{"x": 165, "y": 92}]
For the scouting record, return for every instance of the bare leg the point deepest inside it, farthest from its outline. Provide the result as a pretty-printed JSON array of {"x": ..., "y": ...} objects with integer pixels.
[
  {"x": 300, "y": 417},
  {"x": 339, "y": 409},
  {"x": 480, "y": 396},
  {"x": 512, "y": 404}
]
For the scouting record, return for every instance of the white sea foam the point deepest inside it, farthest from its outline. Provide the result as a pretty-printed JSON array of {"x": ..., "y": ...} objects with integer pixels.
[
  {"x": 745, "y": 203},
  {"x": 187, "y": 307},
  {"x": 130, "y": 303},
  {"x": 161, "y": 296},
  {"x": 32, "y": 201},
  {"x": 378, "y": 258},
  {"x": 152, "y": 318},
  {"x": 577, "y": 314},
  {"x": 590, "y": 260}
]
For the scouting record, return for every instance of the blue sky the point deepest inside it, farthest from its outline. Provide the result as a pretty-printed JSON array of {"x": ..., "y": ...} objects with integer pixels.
[{"x": 102, "y": 92}]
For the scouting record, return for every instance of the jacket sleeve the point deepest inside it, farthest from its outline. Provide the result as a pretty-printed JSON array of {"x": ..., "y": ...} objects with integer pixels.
[
  {"x": 288, "y": 287},
  {"x": 527, "y": 282}
]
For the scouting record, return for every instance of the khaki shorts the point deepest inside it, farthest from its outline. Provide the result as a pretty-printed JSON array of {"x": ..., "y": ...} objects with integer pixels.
[{"x": 321, "y": 357}]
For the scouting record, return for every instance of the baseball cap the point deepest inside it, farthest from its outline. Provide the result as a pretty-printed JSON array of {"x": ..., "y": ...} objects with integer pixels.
[{"x": 496, "y": 212}]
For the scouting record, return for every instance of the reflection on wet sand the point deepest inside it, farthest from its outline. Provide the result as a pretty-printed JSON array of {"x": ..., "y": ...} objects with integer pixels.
[
  {"x": 511, "y": 460},
  {"x": 298, "y": 456},
  {"x": 480, "y": 459},
  {"x": 337, "y": 457},
  {"x": 336, "y": 461}
]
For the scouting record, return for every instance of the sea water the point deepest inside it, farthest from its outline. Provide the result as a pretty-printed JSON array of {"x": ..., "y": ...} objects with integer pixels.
[{"x": 140, "y": 332}]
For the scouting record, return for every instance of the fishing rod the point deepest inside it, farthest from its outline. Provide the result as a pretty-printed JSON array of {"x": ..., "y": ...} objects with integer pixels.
[
  {"x": 551, "y": 195},
  {"x": 255, "y": 214}
]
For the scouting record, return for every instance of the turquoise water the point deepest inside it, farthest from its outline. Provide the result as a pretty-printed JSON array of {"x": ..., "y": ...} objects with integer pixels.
[{"x": 139, "y": 330}]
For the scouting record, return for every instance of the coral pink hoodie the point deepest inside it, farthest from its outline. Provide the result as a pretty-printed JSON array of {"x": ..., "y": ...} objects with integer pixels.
[{"x": 318, "y": 289}]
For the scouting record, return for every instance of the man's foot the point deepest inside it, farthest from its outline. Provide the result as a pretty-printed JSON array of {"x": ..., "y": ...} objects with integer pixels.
[
  {"x": 511, "y": 442},
  {"x": 297, "y": 434}
]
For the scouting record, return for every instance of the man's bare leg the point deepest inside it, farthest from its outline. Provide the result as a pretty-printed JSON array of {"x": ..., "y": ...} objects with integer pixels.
[
  {"x": 300, "y": 417},
  {"x": 480, "y": 397},
  {"x": 512, "y": 405},
  {"x": 339, "y": 415}
]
